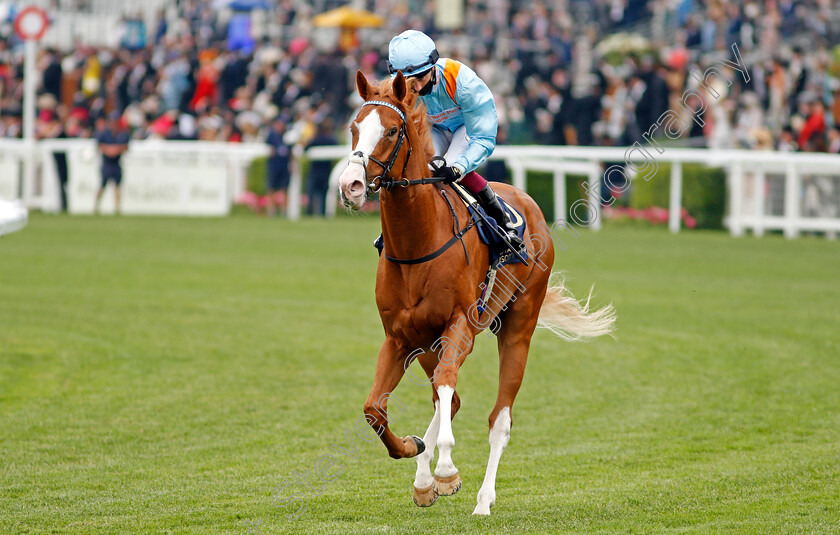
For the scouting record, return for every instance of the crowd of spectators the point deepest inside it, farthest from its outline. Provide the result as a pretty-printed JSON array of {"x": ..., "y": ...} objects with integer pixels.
[{"x": 560, "y": 73}]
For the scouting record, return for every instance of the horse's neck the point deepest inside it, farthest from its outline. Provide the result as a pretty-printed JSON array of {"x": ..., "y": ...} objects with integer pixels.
[
  {"x": 411, "y": 215},
  {"x": 410, "y": 221}
]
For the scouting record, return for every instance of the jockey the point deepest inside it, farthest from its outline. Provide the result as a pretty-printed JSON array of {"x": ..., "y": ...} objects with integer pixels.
[{"x": 462, "y": 112}]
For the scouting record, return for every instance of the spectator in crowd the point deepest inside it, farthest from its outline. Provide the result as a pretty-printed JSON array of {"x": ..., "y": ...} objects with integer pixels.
[
  {"x": 277, "y": 166},
  {"x": 750, "y": 120},
  {"x": 834, "y": 141},
  {"x": 51, "y": 127},
  {"x": 319, "y": 170},
  {"x": 814, "y": 124},
  {"x": 112, "y": 139},
  {"x": 787, "y": 140},
  {"x": 50, "y": 66}
]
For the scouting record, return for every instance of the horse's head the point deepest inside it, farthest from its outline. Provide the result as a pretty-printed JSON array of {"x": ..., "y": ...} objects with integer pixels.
[{"x": 380, "y": 145}]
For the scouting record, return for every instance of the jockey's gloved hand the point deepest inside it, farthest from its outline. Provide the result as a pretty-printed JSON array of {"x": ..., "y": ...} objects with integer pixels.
[{"x": 449, "y": 173}]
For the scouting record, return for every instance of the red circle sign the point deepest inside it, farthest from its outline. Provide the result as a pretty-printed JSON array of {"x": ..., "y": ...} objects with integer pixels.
[{"x": 31, "y": 23}]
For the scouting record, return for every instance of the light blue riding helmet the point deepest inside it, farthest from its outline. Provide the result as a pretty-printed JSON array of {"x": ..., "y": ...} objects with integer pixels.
[{"x": 411, "y": 52}]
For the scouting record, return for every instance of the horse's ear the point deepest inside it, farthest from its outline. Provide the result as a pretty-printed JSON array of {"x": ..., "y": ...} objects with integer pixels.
[
  {"x": 362, "y": 85},
  {"x": 399, "y": 86}
]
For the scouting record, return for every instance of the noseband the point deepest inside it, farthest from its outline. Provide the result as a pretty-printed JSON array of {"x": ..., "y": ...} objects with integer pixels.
[{"x": 361, "y": 158}]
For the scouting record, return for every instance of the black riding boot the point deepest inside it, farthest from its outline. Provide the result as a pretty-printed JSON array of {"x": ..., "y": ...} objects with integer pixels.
[{"x": 488, "y": 200}]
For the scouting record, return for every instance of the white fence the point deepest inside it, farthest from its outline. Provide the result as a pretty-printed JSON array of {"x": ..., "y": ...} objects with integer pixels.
[
  {"x": 13, "y": 216},
  {"x": 159, "y": 177},
  {"x": 204, "y": 178},
  {"x": 746, "y": 173}
]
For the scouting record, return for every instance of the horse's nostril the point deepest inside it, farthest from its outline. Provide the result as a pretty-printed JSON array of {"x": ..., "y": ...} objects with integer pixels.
[{"x": 356, "y": 187}]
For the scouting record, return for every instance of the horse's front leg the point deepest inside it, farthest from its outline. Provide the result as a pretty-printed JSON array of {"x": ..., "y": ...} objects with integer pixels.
[
  {"x": 424, "y": 494},
  {"x": 456, "y": 345},
  {"x": 389, "y": 371}
]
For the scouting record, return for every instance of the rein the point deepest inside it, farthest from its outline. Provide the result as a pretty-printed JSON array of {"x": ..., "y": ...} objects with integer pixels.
[{"x": 404, "y": 182}]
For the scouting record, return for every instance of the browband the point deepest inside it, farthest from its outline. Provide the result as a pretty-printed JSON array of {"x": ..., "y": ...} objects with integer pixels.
[{"x": 387, "y": 105}]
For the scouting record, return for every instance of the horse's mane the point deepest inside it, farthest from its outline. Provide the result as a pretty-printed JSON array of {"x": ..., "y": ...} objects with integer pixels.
[{"x": 416, "y": 113}]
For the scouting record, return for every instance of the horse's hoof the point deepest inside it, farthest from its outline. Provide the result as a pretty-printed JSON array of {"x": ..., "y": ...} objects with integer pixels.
[
  {"x": 482, "y": 510},
  {"x": 485, "y": 502},
  {"x": 421, "y": 446},
  {"x": 425, "y": 497},
  {"x": 447, "y": 486},
  {"x": 414, "y": 444}
]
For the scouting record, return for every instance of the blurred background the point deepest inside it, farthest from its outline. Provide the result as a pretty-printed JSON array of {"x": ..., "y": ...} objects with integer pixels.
[{"x": 564, "y": 73}]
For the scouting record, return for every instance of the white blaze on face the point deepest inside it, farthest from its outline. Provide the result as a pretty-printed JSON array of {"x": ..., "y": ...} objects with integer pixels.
[{"x": 353, "y": 181}]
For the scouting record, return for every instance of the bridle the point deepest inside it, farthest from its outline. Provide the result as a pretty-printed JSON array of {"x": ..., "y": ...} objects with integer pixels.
[
  {"x": 382, "y": 181},
  {"x": 388, "y": 183}
]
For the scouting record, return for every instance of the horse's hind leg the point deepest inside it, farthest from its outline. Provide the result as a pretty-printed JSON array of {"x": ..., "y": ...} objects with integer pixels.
[{"x": 514, "y": 341}]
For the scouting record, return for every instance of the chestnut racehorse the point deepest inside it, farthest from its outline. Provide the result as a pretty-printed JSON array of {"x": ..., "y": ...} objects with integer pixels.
[{"x": 426, "y": 291}]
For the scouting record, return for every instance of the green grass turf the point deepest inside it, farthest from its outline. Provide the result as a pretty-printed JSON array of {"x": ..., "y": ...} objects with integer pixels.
[{"x": 166, "y": 375}]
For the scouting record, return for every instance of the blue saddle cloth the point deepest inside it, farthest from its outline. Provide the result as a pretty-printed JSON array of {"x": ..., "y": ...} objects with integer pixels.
[{"x": 500, "y": 254}]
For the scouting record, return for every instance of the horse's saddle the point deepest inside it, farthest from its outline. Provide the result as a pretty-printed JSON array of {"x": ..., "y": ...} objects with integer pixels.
[{"x": 489, "y": 232}]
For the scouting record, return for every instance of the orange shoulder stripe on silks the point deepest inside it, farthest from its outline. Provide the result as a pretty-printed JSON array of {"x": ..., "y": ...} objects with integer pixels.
[{"x": 450, "y": 72}]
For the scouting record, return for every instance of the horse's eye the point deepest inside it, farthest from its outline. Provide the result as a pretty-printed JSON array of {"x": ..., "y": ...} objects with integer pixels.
[{"x": 393, "y": 131}]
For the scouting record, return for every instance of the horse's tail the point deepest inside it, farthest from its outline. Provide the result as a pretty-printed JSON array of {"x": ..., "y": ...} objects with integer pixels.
[{"x": 571, "y": 319}]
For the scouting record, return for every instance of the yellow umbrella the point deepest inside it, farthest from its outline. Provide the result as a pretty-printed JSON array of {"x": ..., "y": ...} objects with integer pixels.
[
  {"x": 347, "y": 17},
  {"x": 349, "y": 20}
]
